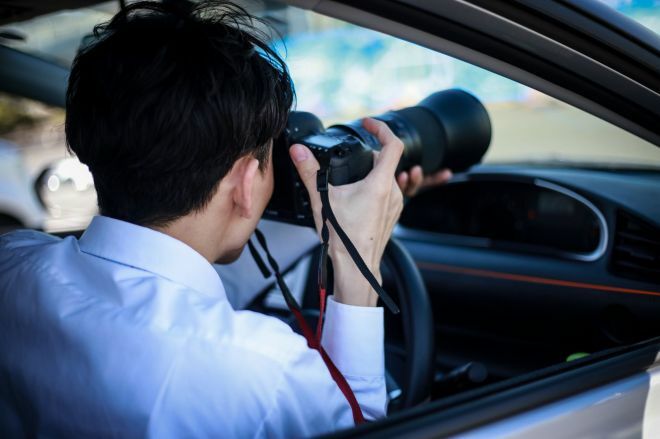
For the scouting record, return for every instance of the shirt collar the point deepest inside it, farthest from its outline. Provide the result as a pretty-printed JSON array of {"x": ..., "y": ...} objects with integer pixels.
[{"x": 149, "y": 250}]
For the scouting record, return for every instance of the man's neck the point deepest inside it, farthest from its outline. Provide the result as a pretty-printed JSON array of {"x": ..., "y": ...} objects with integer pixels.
[{"x": 199, "y": 231}]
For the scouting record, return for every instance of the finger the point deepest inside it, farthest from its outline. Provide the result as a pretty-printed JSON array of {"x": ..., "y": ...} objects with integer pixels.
[
  {"x": 446, "y": 175},
  {"x": 416, "y": 179},
  {"x": 387, "y": 160},
  {"x": 397, "y": 206},
  {"x": 402, "y": 181},
  {"x": 440, "y": 177},
  {"x": 306, "y": 165}
]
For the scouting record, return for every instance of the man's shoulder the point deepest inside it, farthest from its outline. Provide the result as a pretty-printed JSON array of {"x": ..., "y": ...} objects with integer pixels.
[
  {"x": 24, "y": 238},
  {"x": 30, "y": 247}
]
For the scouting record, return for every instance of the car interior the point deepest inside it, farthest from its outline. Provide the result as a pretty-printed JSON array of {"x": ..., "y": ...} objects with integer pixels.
[{"x": 541, "y": 259}]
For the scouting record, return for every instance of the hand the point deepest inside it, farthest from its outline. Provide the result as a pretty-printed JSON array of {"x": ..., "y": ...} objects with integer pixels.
[
  {"x": 412, "y": 181},
  {"x": 367, "y": 210}
]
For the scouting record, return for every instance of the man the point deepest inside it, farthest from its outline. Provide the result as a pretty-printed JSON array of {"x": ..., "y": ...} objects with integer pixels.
[{"x": 127, "y": 332}]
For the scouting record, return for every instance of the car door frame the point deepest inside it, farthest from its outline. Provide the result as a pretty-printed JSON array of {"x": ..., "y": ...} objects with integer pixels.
[{"x": 469, "y": 411}]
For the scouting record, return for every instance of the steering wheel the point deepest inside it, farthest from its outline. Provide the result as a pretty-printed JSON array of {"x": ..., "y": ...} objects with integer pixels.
[{"x": 417, "y": 322}]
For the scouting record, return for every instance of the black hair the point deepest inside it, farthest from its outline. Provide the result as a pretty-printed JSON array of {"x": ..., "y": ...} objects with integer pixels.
[{"x": 164, "y": 101}]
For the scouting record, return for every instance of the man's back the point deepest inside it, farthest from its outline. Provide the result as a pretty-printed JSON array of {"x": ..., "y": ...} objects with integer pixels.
[{"x": 128, "y": 332}]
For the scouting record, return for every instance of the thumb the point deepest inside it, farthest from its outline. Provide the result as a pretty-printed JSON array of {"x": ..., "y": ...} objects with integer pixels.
[{"x": 306, "y": 165}]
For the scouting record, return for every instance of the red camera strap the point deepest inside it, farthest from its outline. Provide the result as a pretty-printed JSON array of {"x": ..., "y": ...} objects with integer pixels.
[{"x": 313, "y": 340}]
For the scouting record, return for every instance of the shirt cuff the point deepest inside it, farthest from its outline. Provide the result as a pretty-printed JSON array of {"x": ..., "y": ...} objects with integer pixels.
[{"x": 353, "y": 336}]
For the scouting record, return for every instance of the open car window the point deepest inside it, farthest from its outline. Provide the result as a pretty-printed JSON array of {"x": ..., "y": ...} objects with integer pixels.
[{"x": 343, "y": 72}]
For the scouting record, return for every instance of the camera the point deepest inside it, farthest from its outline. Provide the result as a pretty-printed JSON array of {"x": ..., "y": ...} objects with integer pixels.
[{"x": 449, "y": 129}]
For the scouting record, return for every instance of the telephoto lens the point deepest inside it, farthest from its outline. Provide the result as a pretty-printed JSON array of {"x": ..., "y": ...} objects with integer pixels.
[{"x": 449, "y": 129}]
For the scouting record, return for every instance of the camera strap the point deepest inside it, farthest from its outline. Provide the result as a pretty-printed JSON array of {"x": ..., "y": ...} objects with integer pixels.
[
  {"x": 322, "y": 183},
  {"x": 313, "y": 340}
]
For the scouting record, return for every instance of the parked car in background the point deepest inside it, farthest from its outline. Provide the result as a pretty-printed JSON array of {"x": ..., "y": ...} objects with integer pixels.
[{"x": 19, "y": 206}]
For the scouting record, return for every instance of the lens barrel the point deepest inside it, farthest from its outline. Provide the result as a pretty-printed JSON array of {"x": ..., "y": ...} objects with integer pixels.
[{"x": 449, "y": 129}]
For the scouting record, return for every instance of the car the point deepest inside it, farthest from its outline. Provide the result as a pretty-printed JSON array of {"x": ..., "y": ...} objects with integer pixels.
[
  {"x": 19, "y": 205},
  {"x": 530, "y": 283}
]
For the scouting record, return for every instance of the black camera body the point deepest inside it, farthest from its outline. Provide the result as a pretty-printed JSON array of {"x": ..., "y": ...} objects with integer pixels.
[
  {"x": 449, "y": 129},
  {"x": 348, "y": 159}
]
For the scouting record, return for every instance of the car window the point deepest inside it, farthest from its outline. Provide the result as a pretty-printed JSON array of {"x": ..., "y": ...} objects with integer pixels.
[
  {"x": 645, "y": 12},
  {"x": 341, "y": 72}
]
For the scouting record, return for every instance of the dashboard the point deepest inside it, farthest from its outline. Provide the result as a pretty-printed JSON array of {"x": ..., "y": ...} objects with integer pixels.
[
  {"x": 527, "y": 264},
  {"x": 534, "y": 216},
  {"x": 609, "y": 218}
]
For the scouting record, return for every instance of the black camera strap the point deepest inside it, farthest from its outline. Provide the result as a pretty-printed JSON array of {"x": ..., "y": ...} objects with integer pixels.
[{"x": 322, "y": 183}]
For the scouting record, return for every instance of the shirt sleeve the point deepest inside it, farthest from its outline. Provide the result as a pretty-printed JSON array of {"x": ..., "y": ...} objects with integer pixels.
[
  {"x": 271, "y": 384},
  {"x": 353, "y": 337},
  {"x": 308, "y": 401}
]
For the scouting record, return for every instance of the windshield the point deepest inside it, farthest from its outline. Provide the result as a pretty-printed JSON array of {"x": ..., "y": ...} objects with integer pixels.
[{"x": 342, "y": 72}]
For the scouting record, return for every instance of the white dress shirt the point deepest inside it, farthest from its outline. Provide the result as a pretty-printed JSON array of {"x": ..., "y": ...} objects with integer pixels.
[{"x": 127, "y": 332}]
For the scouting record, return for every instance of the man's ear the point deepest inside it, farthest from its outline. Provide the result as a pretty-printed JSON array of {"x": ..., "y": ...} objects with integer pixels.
[{"x": 246, "y": 170}]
